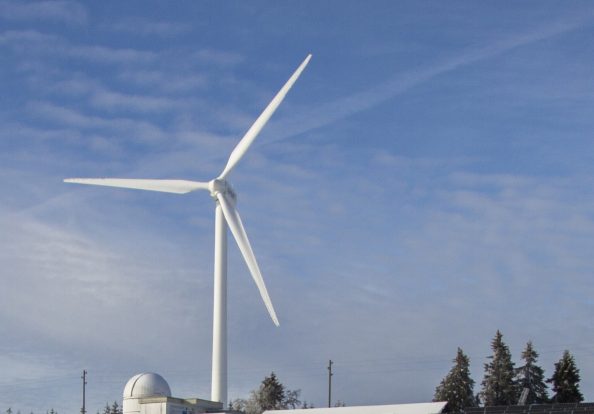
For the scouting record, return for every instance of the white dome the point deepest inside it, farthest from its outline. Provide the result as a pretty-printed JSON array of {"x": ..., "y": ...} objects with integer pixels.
[{"x": 147, "y": 384}]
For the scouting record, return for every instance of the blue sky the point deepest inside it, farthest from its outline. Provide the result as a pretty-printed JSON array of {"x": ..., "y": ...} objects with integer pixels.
[{"x": 427, "y": 181}]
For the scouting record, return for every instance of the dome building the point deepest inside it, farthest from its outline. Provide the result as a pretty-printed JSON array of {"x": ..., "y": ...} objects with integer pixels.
[{"x": 149, "y": 393}]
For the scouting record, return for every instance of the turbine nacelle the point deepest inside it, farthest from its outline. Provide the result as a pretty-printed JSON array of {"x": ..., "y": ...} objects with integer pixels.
[{"x": 221, "y": 186}]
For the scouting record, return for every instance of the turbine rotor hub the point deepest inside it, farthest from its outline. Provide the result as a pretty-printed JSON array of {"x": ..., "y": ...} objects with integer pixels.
[{"x": 221, "y": 186}]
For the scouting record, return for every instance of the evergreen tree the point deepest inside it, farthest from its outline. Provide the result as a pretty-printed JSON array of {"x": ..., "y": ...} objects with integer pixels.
[
  {"x": 115, "y": 408},
  {"x": 456, "y": 387},
  {"x": 271, "y": 395},
  {"x": 566, "y": 380},
  {"x": 499, "y": 387},
  {"x": 531, "y": 376}
]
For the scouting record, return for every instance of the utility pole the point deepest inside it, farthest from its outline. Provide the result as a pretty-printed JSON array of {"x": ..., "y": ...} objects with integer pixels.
[
  {"x": 84, "y": 383},
  {"x": 330, "y": 383}
]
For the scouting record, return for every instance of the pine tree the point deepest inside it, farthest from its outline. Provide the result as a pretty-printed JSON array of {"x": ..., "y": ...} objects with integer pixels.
[
  {"x": 531, "y": 376},
  {"x": 271, "y": 395},
  {"x": 456, "y": 388},
  {"x": 566, "y": 380},
  {"x": 499, "y": 387},
  {"x": 115, "y": 408}
]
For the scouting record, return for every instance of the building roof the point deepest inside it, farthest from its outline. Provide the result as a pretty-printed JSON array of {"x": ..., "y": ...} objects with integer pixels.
[
  {"x": 556, "y": 408},
  {"x": 421, "y": 408},
  {"x": 147, "y": 384}
]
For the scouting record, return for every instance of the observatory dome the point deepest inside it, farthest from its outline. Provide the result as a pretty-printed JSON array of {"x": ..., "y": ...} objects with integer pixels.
[{"x": 147, "y": 384}]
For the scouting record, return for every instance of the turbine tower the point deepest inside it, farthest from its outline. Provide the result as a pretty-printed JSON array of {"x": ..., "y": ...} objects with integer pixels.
[{"x": 226, "y": 216}]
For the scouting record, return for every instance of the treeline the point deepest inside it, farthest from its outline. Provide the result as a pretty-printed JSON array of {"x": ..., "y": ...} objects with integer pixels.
[
  {"x": 109, "y": 409},
  {"x": 506, "y": 384},
  {"x": 503, "y": 384}
]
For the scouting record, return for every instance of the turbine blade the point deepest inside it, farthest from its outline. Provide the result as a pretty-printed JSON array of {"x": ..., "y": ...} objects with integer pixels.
[
  {"x": 236, "y": 226},
  {"x": 166, "y": 186},
  {"x": 255, "y": 129}
]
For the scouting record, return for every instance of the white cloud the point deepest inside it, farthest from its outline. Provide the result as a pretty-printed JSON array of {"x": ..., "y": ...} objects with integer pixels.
[
  {"x": 329, "y": 112},
  {"x": 217, "y": 57},
  {"x": 102, "y": 54},
  {"x": 19, "y": 38},
  {"x": 144, "y": 27},
  {"x": 165, "y": 81},
  {"x": 30, "y": 43},
  {"x": 101, "y": 97},
  {"x": 72, "y": 291},
  {"x": 54, "y": 11},
  {"x": 115, "y": 101},
  {"x": 141, "y": 131}
]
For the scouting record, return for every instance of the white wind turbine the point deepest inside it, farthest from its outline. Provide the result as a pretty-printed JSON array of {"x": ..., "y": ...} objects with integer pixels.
[{"x": 226, "y": 214}]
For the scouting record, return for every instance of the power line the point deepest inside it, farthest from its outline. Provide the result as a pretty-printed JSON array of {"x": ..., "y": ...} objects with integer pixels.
[{"x": 364, "y": 366}]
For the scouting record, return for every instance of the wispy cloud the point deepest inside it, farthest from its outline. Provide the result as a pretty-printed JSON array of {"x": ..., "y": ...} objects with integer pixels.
[
  {"x": 217, "y": 57},
  {"x": 31, "y": 43},
  {"x": 84, "y": 283},
  {"x": 114, "y": 101},
  {"x": 186, "y": 83},
  {"x": 143, "y": 27},
  {"x": 101, "y": 97},
  {"x": 139, "y": 130},
  {"x": 54, "y": 11},
  {"x": 19, "y": 38},
  {"x": 333, "y": 111},
  {"x": 110, "y": 55}
]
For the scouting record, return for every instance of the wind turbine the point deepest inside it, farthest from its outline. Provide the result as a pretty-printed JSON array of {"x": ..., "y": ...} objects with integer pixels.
[{"x": 226, "y": 215}]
